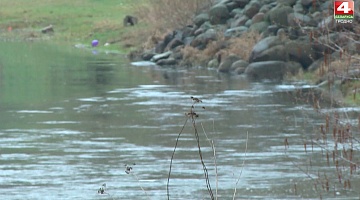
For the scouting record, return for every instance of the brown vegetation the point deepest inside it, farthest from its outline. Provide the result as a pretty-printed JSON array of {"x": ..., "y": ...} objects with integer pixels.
[
  {"x": 159, "y": 17},
  {"x": 240, "y": 46},
  {"x": 171, "y": 14}
]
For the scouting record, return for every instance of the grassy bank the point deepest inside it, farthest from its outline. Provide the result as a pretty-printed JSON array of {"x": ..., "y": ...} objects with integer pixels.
[
  {"x": 74, "y": 22},
  {"x": 81, "y": 21}
]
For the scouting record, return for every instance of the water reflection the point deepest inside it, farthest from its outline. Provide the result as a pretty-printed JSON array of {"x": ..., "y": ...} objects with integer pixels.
[{"x": 93, "y": 115}]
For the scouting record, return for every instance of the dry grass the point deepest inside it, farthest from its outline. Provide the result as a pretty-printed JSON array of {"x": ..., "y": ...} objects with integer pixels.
[
  {"x": 241, "y": 46},
  {"x": 193, "y": 56},
  {"x": 159, "y": 17},
  {"x": 340, "y": 66},
  {"x": 171, "y": 14}
]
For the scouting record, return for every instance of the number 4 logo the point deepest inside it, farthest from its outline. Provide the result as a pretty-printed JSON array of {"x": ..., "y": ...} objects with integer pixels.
[{"x": 344, "y": 7}]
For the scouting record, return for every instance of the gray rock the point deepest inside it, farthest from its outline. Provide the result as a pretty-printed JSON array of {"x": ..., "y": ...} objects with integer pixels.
[
  {"x": 188, "y": 40},
  {"x": 306, "y": 3},
  {"x": 231, "y": 5},
  {"x": 241, "y": 3},
  {"x": 286, "y": 2},
  {"x": 236, "y": 12},
  {"x": 272, "y": 29},
  {"x": 240, "y": 64},
  {"x": 200, "y": 19},
  {"x": 240, "y": 21},
  {"x": 274, "y": 70},
  {"x": 225, "y": 65},
  {"x": 239, "y": 70},
  {"x": 301, "y": 52},
  {"x": 259, "y": 27},
  {"x": 147, "y": 56},
  {"x": 166, "y": 62},
  {"x": 219, "y": 14},
  {"x": 248, "y": 23},
  {"x": 263, "y": 45},
  {"x": 278, "y": 15},
  {"x": 277, "y": 52},
  {"x": 214, "y": 63},
  {"x": 186, "y": 31},
  {"x": 206, "y": 25},
  {"x": 198, "y": 31},
  {"x": 202, "y": 40},
  {"x": 251, "y": 9},
  {"x": 174, "y": 43},
  {"x": 259, "y": 17},
  {"x": 298, "y": 7},
  {"x": 265, "y": 8},
  {"x": 161, "y": 56},
  {"x": 160, "y": 47},
  {"x": 235, "y": 32}
]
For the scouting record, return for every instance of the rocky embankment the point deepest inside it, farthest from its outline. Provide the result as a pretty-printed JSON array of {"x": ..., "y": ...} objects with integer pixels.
[{"x": 295, "y": 35}]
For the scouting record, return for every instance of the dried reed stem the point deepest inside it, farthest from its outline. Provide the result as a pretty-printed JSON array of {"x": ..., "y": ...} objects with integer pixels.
[
  {"x": 211, "y": 142},
  {"x": 243, "y": 164},
  {"x": 172, "y": 158},
  {"x": 137, "y": 178},
  {"x": 191, "y": 115}
]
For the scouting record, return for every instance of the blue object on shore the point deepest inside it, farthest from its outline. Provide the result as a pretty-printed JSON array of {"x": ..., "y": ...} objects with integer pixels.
[{"x": 94, "y": 43}]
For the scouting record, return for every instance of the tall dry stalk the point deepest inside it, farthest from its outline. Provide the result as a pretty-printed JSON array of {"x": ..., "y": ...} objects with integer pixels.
[{"x": 191, "y": 115}]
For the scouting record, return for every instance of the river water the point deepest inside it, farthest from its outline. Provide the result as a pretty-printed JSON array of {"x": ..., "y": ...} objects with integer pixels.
[{"x": 71, "y": 119}]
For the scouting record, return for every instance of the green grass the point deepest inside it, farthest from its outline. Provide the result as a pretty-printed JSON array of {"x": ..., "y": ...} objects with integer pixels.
[
  {"x": 78, "y": 21},
  {"x": 351, "y": 97}
]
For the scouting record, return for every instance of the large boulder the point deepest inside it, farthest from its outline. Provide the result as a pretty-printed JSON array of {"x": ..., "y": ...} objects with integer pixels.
[
  {"x": 202, "y": 40},
  {"x": 161, "y": 56},
  {"x": 301, "y": 51},
  {"x": 277, "y": 52},
  {"x": 259, "y": 27},
  {"x": 278, "y": 15},
  {"x": 219, "y": 14},
  {"x": 225, "y": 65},
  {"x": 174, "y": 43},
  {"x": 259, "y": 17},
  {"x": 214, "y": 63},
  {"x": 160, "y": 47},
  {"x": 239, "y": 66},
  {"x": 200, "y": 19},
  {"x": 166, "y": 62},
  {"x": 263, "y": 45},
  {"x": 251, "y": 9},
  {"x": 147, "y": 55},
  {"x": 273, "y": 70}
]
